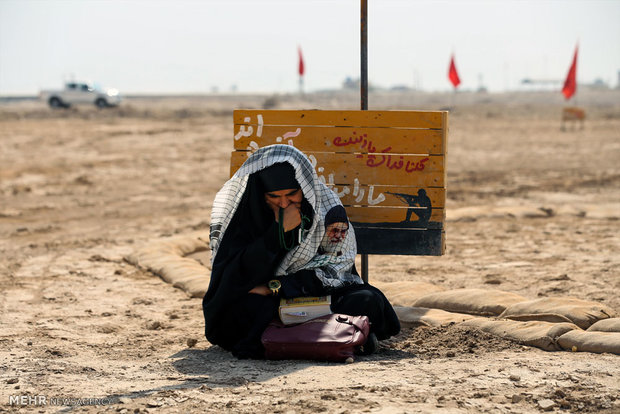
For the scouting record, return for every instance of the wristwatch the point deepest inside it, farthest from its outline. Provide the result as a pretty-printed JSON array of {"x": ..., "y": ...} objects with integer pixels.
[{"x": 274, "y": 285}]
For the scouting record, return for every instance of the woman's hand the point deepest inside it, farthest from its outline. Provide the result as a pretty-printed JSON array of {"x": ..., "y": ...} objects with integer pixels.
[
  {"x": 289, "y": 201},
  {"x": 261, "y": 290},
  {"x": 291, "y": 217}
]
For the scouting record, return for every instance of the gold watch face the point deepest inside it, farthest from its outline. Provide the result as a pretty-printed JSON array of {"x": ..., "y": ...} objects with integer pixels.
[{"x": 274, "y": 284}]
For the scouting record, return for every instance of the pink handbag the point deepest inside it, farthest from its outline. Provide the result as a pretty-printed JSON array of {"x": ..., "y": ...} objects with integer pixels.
[{"x": 331, "y": 337}]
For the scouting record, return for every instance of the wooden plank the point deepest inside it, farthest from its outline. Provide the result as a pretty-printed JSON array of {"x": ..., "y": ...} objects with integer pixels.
[
  {"x": 390, "y": 119},
  {"x": 380, "y": 169},
  {"x": 342, "y": 139},
  {"x": 394, "y": 196},
  {"x": 400, "y": 241},
  {"x": 444, "y": 145},
  {"x": 396, "y": 217}
]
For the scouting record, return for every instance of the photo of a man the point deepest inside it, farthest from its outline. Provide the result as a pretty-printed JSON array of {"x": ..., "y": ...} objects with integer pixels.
[{"x": 336, "y": 229}]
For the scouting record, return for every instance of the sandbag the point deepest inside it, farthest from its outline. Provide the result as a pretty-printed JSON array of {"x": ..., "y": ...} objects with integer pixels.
[
  {"x": 201, "y": 256},
  {"x": 405, "y": 293},
  {"x": 176, "y": 246},
  {"x": 591, "y": 341},
  {"x": 195, "y": 287},
  {"x": 582, "y": 313},
  {"x": 542, "y": 335},
  {"x": 165, "y": 258},
  {"x": 410, "y": 317},
  {"x": 472, "y": 301},
  {"x": 606, "y": 325}
]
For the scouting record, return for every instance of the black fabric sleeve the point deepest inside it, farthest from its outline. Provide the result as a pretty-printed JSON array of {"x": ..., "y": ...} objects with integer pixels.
[
  {"x": 260, "y": 258},
  {"x": 301, "y": 283}
]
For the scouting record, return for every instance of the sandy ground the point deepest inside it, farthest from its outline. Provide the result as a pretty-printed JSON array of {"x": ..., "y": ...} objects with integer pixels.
[{"x": 79, "y": 189}]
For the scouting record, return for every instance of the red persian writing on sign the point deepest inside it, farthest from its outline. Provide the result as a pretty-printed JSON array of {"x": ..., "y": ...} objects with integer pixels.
[{"x": 384, "y": 158}]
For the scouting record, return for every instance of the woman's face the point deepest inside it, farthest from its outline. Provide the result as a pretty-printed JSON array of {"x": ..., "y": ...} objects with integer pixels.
[{"x": 283, "y": 198}]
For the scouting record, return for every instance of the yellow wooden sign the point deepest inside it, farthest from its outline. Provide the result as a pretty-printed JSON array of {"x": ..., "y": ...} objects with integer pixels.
[
  {"x": 342, "y": 139},
  {"x": 395, "y": 196},
  {"x": 370, "y": 169},
  {"x": 406, "y": 218},
  {"x": 387, "y": 119},
  {"x": 388, "y": 167}
]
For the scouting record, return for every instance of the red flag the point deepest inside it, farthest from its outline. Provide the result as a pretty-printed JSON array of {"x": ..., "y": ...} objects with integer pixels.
[
  {"x": 301, "y": 62},
  {"x": 570, "y": 84},
  {"x": 453, "y": 74}
]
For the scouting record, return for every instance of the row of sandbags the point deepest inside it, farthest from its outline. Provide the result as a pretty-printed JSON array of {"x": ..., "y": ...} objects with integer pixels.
[
  {"x": 547, "y": 323},
  {"x": 603, "y": 336},
  {"x": 169, "y": 259},
  {"x": 489, "y": 302}
]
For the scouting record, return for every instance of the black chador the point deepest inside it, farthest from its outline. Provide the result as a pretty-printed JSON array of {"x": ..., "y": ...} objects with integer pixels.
[{"x": 252, "y": 249}]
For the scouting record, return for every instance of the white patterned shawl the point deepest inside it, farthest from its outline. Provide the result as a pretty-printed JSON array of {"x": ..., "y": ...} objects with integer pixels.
[{"x": 333, "y": 271}]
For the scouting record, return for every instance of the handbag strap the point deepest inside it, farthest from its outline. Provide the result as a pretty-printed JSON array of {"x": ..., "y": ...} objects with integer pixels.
[{"x": 347, "y": 319}]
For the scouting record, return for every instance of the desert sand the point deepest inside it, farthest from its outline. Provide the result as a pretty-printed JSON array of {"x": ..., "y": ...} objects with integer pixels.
[{"x": 531, "y": 210}]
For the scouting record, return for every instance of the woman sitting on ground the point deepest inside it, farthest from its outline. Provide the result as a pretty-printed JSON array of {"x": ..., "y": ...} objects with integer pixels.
[{"x": 278, "y": 232}]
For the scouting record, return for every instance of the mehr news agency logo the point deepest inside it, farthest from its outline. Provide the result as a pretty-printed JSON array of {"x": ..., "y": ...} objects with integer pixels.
[{"x": 44, "y": 400}]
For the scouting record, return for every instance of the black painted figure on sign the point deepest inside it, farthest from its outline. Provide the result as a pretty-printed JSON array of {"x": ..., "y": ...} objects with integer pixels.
[{"x": 421, "y": 200}]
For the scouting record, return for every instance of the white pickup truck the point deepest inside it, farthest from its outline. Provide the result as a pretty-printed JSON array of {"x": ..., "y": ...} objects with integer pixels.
[{"x": 80, "y": 93}]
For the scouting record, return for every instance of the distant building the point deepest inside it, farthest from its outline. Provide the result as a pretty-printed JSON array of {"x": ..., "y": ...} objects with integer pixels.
[
  {"x": 350, "y": 83},
  {"x": 400, "y": 88},
  {"x": 598, "y": 84}
]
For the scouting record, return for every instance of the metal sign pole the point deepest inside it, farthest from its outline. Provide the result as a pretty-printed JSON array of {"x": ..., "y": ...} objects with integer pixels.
[
  {"x": 364, "y": 90},
  {"x": 364, "y": 54}
]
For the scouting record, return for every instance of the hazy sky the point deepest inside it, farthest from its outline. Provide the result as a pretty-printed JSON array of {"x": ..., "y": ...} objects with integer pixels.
[{"x": 185, "y": 46}]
